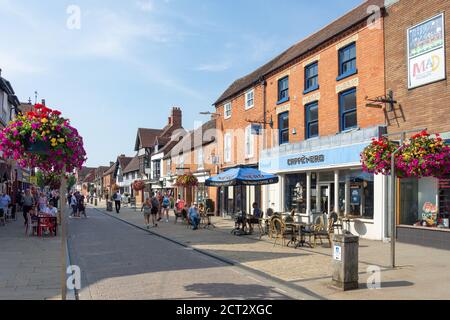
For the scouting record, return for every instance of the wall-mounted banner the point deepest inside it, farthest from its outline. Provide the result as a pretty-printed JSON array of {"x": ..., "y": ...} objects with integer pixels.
[{"x": 426, "y": 52}]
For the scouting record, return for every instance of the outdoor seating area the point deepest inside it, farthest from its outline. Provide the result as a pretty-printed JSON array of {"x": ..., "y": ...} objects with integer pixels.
[{"x": 285, "y": 231}]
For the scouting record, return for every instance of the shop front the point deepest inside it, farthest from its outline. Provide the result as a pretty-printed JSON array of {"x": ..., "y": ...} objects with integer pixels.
[
  {"x": 424, "y": 211},
  {"x": 324, "y": 175}
]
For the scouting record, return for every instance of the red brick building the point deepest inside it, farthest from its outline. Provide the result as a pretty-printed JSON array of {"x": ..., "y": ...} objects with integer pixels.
[
  {"x": 418, "y": 77},
  {"x": 312, "y": 100}
]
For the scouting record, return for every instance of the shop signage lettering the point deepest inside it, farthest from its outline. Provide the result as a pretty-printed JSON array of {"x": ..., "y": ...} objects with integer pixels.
[
  {"x": 305, "y": 160},
  {"x": 426, "y": 52}
]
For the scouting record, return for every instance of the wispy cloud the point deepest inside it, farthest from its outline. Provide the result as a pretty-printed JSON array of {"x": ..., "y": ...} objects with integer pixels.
[
  {"x": 145, "y": 5},
  {"x": 214, "y": 67},
  {"x": 18, "y": 65}
]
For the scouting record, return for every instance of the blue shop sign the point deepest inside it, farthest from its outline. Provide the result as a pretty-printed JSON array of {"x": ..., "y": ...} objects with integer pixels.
[{"x": 315, "y": 159}]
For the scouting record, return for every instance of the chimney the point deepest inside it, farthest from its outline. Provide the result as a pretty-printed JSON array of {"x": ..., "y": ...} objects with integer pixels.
[
  {"x": 0, "y": 72},
  {"x": 122, "y": 156},
  {"x": 111, "y": 163},
  {"x": 43, "y": 102},
  {"x": 176, "y": 118}
]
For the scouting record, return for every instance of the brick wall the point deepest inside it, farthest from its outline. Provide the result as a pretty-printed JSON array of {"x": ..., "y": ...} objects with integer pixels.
[
  {"x": 236, "y": 125},
  {"x": 422, "y": 107},
  {"x": 369, "y": 82}
]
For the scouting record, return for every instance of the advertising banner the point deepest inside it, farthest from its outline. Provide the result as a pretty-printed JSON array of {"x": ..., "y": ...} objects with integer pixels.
[{"x": 426, "y": 52}]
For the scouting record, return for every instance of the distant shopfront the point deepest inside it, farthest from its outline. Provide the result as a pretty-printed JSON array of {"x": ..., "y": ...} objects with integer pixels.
[
  {"x": 424, "y": 211},
  {"x": 324, "y": 175}
]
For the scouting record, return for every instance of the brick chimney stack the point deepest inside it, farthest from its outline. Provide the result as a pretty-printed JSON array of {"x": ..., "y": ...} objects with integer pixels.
[{"x": 176, "y": 119}]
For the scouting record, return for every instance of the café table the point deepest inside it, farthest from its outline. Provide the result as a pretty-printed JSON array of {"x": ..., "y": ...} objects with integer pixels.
[{"x": 299, "y": 230}]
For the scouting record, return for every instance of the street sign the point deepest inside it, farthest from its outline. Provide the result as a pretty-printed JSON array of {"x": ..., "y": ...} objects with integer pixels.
[{"x": 337, "y": 253}]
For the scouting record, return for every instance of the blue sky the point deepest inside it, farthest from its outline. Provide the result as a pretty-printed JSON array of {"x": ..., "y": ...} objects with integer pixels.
[{"x": 132, "y": 60}]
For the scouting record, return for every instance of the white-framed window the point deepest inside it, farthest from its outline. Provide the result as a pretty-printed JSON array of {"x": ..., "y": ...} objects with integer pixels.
[
  {"x": 227, "y": 147},
  {"x": 249, "y": 99},
  {"x": 181, "y": 163},
  {"x": 4, "y": 106},
  {"x": 200, "y": 160},
  {"x": 227, "y": 110},
  {"x": 249, "y": 142},
  {"x": 169, "y": 165}
]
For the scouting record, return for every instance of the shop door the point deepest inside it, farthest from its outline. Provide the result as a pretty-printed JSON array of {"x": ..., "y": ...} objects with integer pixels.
[{"x": 325, "y": 198}]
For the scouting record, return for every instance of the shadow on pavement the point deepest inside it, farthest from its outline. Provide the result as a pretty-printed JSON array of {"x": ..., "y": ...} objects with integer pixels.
[{"x": 239, "y": 291}]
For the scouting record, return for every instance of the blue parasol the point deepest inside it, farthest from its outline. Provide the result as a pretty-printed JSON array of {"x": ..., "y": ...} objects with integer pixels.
[{"x": 242, "y": 177}]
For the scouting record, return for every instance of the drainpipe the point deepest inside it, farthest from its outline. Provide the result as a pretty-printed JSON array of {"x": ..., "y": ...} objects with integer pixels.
[{"x": 264, "y": 85}]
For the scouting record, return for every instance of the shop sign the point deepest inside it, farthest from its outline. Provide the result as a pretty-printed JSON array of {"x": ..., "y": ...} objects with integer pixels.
[
  {"x": 336, "y": 156},
  {"x": 426, "y": 52},
  {"x": 337, "y": 253},
  {"x": 306, "y": 159}
]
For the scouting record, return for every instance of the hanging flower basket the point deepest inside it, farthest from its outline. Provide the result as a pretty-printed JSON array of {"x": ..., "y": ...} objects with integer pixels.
[
  {"x": 187, "y": 180},
  {"x": 45, "y": 140},
  {"x": 420, "y": 156},
  {"x": 424, "y": 156},
  {"x": 376, "y": 157},
  {"x": 139, "y": 185}
]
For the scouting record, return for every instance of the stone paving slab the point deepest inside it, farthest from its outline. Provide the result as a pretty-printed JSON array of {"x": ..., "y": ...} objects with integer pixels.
[
  {"x": 29, "y": 266},
  {"x": 423, "y": 272}
]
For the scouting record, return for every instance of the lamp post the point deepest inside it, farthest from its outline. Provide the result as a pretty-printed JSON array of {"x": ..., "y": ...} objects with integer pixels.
[
  {"x": 63, "y": 201},
  {"x": 392, "y": 190}
]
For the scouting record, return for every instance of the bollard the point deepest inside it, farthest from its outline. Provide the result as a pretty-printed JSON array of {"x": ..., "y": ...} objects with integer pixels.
[
  {"x": 95, "y": 202},
  {"x": 345, "y": 261}
]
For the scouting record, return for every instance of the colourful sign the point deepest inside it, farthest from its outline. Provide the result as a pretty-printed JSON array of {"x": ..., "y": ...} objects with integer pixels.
[{"x": 426, "y": 52}]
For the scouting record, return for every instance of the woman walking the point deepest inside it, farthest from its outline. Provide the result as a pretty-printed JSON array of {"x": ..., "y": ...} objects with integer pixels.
[
  {"x": 155, "y": 210},
  {"x": 166, "y": 205},
  {"x": 147, "y": 208}
]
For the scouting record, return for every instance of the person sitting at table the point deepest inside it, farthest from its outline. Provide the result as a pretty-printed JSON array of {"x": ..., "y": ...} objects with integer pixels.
[{"x": 51, "y": 210}]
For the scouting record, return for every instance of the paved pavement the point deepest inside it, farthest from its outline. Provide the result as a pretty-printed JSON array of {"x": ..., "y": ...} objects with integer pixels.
[
  {"x": 422, "y": 272},
  {"x": 29, "y": 266},
  {"x": 119, "y": 261}
]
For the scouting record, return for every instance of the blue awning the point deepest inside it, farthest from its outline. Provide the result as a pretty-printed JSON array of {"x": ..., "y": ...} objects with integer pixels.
[{"x": 242, "y": 177}]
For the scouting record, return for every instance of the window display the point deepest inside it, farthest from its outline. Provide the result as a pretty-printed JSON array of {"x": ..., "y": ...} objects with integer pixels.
[{"x": 425, "y": 202}]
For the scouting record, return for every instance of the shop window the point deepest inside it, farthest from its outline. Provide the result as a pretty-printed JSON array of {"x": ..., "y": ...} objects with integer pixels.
[
  {"x": 295, "y": 193},
  {"x": 283, "y": 127},
  {"x": 347, "y": 109},
  {"x": 418, "y": 205},
  {"x": 312, "y": 120},
  {"x": 283, "y": 90}
]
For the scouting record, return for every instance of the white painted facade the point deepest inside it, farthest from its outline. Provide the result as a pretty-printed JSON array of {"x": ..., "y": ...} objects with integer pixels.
[{"x": 337, "y": 182}]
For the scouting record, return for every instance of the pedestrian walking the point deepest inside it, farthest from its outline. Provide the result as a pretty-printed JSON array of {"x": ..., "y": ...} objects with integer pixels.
[
  {"x": 147, "y": 209},
  {"x": 28, "y": 203},
  {"x": 5, "y": 201},
  {"x": 74, "y": 205},
  {"x": 194, "y": 216},
  {"x": 160, "y": 200},
  {"x": 117, "y": 200},
  {"x": 81, "y": 206},
  {"x": 155, "y": 210},
  {"x": 166, "y": 205}
]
